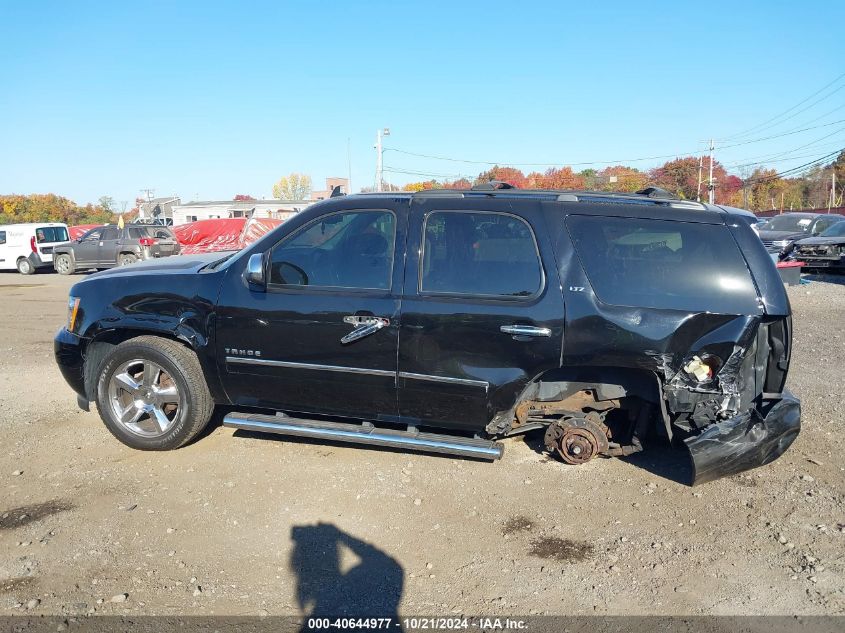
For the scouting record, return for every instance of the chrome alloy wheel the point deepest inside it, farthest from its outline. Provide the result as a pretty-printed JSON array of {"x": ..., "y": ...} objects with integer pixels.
[{"x": 144, "y": 398}]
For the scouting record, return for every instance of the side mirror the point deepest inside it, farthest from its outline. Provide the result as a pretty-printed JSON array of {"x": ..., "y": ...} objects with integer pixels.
[{"x": 254, "y": 272}]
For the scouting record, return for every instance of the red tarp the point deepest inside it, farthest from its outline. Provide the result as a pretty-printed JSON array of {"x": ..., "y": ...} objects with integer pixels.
[
  {"x": 207, "y": 236},
  {"x": 76, "y": 232}
]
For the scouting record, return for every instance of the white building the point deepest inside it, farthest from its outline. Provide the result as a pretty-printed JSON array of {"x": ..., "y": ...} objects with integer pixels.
[{"x": 277, "y": 209}]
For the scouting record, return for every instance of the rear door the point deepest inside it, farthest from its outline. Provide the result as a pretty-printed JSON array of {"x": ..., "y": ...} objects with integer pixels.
[
  {"x": 482, "y": 315},
  {"x": 46, "y": 237},
  {"x": 107, "y": 255},
  {"x": 164, "y": 242}
]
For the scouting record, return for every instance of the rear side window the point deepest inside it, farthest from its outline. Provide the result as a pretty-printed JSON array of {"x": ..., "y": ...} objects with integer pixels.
[
  {"x": 487, "y": 254},
  {"x": 136, "y": 232},
  {"x": 51, "y": 234},
  {"x": 109, "y": 233},
  {"x": 664, "y": 264}
]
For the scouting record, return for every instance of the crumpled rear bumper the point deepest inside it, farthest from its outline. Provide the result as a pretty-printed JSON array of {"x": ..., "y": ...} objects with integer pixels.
[{"x": 745, "y": 441}]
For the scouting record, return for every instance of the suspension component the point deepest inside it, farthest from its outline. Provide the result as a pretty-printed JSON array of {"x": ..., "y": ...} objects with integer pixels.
[{"x": 578, "y": 439}]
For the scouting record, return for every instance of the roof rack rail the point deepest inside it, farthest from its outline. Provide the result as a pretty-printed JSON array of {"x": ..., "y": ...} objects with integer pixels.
[
  {"x": 492, "y": 185},
  {"x": 657, "y": 192}
]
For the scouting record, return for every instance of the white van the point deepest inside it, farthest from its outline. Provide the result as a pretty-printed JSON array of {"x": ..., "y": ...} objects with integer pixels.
[{"x": 28, "y": 247}]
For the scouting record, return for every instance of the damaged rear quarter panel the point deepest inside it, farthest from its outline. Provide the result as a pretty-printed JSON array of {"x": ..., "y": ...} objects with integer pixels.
[{"x": 663, "y": 339}]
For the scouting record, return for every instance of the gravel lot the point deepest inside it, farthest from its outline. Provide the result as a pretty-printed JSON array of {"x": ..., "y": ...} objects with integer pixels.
[{"x": 241, "y": 524}]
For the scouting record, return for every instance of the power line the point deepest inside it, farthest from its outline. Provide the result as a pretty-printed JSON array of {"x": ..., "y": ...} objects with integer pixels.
[
  {"x": 758, "y": 127},
  {"x": 795, "y": 170},
  {"x": 609, "y": 162}
]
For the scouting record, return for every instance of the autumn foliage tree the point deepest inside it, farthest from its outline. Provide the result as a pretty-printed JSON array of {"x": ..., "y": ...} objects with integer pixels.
[
  {"x": 49, "y": 207},
  {"x": 294, "y": 186}
]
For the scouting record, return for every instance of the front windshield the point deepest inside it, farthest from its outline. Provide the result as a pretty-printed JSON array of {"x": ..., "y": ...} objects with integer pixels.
[
  {"x": 787, "y": 223},
  {"x": 837, "y": 230}
]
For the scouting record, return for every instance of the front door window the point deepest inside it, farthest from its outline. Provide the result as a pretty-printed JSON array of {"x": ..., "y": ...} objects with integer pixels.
[{"x": 352, "y": 249}]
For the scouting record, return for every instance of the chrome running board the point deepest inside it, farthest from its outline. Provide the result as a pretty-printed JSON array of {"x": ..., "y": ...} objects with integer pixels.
[{"x": 365, "y": 433}]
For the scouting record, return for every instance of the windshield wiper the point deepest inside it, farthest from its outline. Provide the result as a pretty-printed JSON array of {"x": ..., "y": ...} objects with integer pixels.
[{"x": 217, "y": 262}]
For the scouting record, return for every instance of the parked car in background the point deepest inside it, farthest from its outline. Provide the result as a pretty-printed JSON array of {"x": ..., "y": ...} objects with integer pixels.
[
  {"x": 827, "y": 250},
  {"x": 28, "y": 247},
  {"x": 109, "y": 246},
  {"x": 780, "y": 232}
]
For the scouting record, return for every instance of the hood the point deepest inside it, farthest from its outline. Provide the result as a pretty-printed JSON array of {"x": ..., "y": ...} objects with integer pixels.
[
  {"x": 771, "y": 236},
  {"x": 821, "y": 241},
  {"x": 173, "y": 265}
]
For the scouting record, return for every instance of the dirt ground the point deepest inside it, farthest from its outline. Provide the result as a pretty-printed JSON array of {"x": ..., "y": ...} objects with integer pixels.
[{"x": 240, "y": 524}]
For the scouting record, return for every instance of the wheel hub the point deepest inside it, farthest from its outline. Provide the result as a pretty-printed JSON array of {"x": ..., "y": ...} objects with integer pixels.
[
  {"x": 576, "y": 440},
  {"x": 144, "y": 398}
]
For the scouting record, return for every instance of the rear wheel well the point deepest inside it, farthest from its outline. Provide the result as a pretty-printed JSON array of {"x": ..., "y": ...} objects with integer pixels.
[{"x": 585, "y": 388}]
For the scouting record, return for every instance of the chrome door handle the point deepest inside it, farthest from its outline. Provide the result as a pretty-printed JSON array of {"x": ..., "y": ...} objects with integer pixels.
[
  {"x": 525, "y": 330},
  {"x": 364, "y": 326}
]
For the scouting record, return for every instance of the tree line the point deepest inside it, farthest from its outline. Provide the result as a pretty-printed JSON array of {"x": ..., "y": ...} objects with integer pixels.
[
  {"x": 48, "y": 207},
  {"x": 762, "y": 189}
]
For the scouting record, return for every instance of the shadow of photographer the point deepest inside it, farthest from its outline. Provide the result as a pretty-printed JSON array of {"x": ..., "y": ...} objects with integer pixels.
[{"x": 370, "y": 588}]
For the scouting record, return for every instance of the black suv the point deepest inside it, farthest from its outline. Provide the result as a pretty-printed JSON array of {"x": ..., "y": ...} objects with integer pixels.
[
  {"x": 442, "y": 320},
  {"x": 109, "y": 246}
]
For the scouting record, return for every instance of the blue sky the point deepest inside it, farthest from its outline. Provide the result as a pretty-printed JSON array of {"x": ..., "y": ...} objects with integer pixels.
[{"x": 219, "y": 98}]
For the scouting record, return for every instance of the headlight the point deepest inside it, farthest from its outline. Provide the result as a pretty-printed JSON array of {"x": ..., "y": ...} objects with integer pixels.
[
  {"x": 72, "y": 313},
  {"x": 781, "y": 243}
]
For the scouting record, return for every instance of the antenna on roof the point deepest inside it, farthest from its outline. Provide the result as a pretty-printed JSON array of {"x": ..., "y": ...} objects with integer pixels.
[
  {"x": 336, "y": 192},
  {"x": 492, "y": 185}
]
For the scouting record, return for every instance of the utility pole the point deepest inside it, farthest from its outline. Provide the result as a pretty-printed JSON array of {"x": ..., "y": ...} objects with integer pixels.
[
  {"x": 710, "y": 186},
  {"x": 348, "y": 165},
  {"x": 379, "y": 158},
  {"x": 149, "y": 193},
  {"x": 830, "y": 201},
  {"x": 700, "y": 165}
]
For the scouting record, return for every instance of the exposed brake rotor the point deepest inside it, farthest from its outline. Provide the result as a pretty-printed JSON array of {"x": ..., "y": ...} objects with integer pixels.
[{"x": 577, "y": 440}]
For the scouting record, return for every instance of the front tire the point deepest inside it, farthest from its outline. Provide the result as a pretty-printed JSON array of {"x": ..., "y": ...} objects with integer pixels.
[
  {"x": 64, "y": 265},
  {"x": 25, "y": 266},
  {"x": 151, "y": 394}
]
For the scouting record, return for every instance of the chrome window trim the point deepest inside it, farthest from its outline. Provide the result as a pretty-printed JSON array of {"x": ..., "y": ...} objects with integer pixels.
[
  {"x": 445, "y": 379},
  {"x": 283, "y": 363}
]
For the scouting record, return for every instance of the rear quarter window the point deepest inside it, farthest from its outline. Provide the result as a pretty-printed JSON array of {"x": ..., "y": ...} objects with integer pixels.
[{"x": 663, "y": 264}]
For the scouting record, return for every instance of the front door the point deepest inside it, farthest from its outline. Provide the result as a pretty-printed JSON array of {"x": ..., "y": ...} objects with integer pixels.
[
  {"x": 323, "y": 336},
  {"x": 482, "y": 315},
  {"x": 87, "y": 251}
]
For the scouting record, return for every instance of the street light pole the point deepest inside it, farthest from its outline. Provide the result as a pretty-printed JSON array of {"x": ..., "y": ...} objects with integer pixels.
[
  {"x": 380, "y": 158},
  {"x": 710, "y": 186}
]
